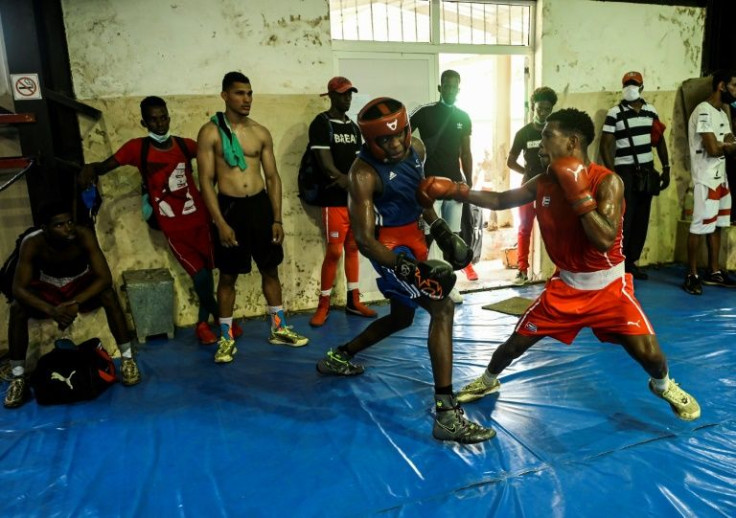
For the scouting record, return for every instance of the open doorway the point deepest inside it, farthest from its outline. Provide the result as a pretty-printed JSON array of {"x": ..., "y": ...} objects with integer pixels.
[{"x": 493, "y": 91}]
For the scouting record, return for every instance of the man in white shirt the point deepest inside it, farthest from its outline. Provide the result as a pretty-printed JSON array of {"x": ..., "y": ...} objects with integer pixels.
[{"x": 710, "y": 138}]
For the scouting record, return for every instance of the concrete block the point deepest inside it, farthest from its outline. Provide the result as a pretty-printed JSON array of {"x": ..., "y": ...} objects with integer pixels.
[{"x": 151, "y": 300}]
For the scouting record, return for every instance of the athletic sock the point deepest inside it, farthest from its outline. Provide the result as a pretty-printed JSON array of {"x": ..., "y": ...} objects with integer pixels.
[
  {"x": 18, "y": 368},
  {"x": 226, "y": 325},
  {"x": 126, "y": 350},
  {"x": 488, "y": 378},
  {"x": 278, "y": 319},
  {"x": 446, "y": 390},
  {"x": 660, "y": 385}
]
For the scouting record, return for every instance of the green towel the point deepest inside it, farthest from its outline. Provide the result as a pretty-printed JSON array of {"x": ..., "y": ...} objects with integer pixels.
[{"x": 231, "y": 150}]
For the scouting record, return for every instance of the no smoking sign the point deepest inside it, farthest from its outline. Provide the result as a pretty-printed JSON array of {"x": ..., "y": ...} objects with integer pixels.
[{"x": 25, "y": 87}]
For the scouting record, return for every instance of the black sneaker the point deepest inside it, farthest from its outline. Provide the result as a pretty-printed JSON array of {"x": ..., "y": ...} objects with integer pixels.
[
  {"x": 692, "y": 285},
  {"x": 719, "y": 278},
  {"x": 451, "y": 425}
]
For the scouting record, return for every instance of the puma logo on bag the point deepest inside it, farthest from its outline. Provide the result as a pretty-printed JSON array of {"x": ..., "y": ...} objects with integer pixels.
[{"x": 59, "y": 377}]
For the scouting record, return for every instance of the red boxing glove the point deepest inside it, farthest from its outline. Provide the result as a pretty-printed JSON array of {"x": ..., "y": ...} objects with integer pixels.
[
  {"x": 573, "y": 178},
  {"x": 439, "y": 188}
]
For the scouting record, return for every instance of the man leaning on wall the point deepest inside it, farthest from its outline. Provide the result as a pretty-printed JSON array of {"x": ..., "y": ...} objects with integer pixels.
[{"x": 632, "y": 128}]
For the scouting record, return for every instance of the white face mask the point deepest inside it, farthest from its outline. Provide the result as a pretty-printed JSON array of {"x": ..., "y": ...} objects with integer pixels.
[
  {"x": 159, "y": 138},
  {"x": 631, "y": 93}
]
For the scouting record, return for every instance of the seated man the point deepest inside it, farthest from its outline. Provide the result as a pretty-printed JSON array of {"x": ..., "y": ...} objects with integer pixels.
[
  {"x": 61, "y": 272},
  {"x": 385, "y": 217}
]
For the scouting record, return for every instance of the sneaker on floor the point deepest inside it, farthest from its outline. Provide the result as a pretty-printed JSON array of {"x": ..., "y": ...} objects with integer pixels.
[
  {"x": 719, "y": 278},
  {"x": 470, "y": 272},
  {"x": 285, "y": 335},
  {"x": 236, "y": 329},
  {"x": 225, "y": 350},
  {"x": 456, "y": 296},
  {"x": 204, "y": 334},
  {"x": 683, "y": 404},
  {"x": 129, "y": 371},
  {"x": 521, "y": 278},
  {"x": 476, "y": 389},
  {"x": 323, "y": 310},
  {"x": 18, "y": 393},
  {"x": 692, "y": 285},
  {"x": 451, "y": 425},
  {"x": 355, "y": 307},
  {"x": 337, "y": 363}
]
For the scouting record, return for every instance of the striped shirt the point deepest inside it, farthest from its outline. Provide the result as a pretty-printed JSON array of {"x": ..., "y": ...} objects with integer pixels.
[{"x": 640, "y": 125}]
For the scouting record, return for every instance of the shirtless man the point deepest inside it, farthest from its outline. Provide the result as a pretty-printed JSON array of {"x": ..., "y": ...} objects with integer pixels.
[
  {"x": 232, "y": 150},
  {"x": 61, "y": 272}
]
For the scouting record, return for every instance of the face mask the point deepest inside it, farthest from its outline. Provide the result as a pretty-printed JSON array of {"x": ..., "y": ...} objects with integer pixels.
[
  {"x": 631, "y": 93},
  {"x": 159, "y": 138}
]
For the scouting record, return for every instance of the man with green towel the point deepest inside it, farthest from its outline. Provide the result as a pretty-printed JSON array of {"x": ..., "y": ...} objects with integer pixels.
[{"x": 232, "y": 150}]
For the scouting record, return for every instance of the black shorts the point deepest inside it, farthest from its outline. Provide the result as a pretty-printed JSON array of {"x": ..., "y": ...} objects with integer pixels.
[{"x": 252, "y": 219}]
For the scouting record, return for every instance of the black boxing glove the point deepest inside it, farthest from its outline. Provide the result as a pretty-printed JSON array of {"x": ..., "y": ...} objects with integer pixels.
[{"x": 454, "y": 249}]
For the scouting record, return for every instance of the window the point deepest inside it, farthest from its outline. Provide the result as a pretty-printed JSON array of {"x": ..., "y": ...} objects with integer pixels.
[
  {"x": 479, "y": 22},
  {"x": 380, "y": 20},
  {"x": 484, "y": 23}
]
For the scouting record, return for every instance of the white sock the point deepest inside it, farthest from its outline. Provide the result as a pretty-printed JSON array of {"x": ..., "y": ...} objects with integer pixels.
[
  {"x": 325, "y": 293},
  {"x": 126, "y": 350},
  {"x": 660, "y": 385},
  {"x": 18, "y": 368},
  {"x": 353, "y": 286},
  {"x": 488, "y": 378}
]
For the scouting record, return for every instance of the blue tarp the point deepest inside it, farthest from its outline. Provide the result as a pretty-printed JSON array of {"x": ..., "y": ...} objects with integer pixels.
[{"x": 579, "y": 434}]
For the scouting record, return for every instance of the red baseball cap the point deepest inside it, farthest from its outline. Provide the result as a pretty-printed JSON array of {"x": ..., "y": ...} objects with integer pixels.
[
  {"x": 340, "y": 85},
  {"x": 632, "y": 76}
]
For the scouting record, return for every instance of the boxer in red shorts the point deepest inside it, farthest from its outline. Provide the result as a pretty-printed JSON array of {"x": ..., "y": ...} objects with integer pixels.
[{"x": 579, "y": 209}]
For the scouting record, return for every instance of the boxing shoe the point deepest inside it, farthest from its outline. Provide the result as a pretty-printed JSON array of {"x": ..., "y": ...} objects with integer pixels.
[
  {"x": 355, "y": 307},
  {"x": 323, "y": 310}
]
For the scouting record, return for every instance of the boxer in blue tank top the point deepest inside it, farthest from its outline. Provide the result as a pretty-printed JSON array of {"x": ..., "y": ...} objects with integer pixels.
[{"x": 385, "y": 214}]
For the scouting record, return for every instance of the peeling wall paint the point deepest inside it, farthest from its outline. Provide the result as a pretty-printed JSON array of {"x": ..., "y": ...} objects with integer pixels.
[
  {"x": 587, "y": 46},
  {"x": 179, "y": 47}
]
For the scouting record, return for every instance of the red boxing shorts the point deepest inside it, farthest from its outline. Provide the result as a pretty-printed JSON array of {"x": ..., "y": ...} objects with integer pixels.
[
  {"x": 561, "y": 311},
  {"x": 192, "y": 248}
]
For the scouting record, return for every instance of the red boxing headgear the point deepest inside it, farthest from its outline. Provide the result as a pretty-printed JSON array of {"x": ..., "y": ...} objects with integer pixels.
[{"x": 383, "y": 117}]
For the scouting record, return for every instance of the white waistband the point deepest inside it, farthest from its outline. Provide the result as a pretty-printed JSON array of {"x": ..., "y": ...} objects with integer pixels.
[{"x": 593, "y": 280}]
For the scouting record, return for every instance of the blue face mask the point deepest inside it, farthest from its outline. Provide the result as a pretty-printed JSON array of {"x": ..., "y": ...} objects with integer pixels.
[{"x": 733, "y": 104}]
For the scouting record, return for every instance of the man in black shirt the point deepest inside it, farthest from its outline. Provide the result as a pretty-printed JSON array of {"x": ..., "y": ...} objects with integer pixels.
[
  {"x": 445, "y": 130},
  {"x": 527, "y": 141},
  {"x": 335, "y": 141}
]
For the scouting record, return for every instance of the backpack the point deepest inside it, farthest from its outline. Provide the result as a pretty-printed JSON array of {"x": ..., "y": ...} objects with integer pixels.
[
  {"x": 146, "y": 204},
  {"x": 7, "y": 272},
  {"x": 72, "y": 373},
  {"x": 310, "y": 179}
]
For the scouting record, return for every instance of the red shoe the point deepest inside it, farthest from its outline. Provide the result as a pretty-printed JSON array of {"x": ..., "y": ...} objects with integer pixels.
[
  {"x": 236, "y": 329},
  {"x": 323, "y": 309},
  {"x": 356, "y": 307},
  {"x": 204, "y": 334},
  {"x": 470, "y": 273}
]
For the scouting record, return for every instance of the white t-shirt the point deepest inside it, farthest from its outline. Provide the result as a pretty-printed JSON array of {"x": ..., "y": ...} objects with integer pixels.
[{"x": 707, "y": 170}]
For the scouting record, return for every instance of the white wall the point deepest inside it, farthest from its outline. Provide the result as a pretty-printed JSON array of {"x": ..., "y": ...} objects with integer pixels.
[
  {"x": 587, "y": 46},
  {"x": 121, "y": 48}
]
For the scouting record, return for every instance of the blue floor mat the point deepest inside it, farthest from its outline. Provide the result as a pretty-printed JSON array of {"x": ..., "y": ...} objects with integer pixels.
[{"x": 579, "y": 434}]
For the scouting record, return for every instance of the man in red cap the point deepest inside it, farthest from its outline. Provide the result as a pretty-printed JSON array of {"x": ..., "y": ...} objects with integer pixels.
[
  {"x": 335, "y": 140},
  {"x": 632, "y": 128}
]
